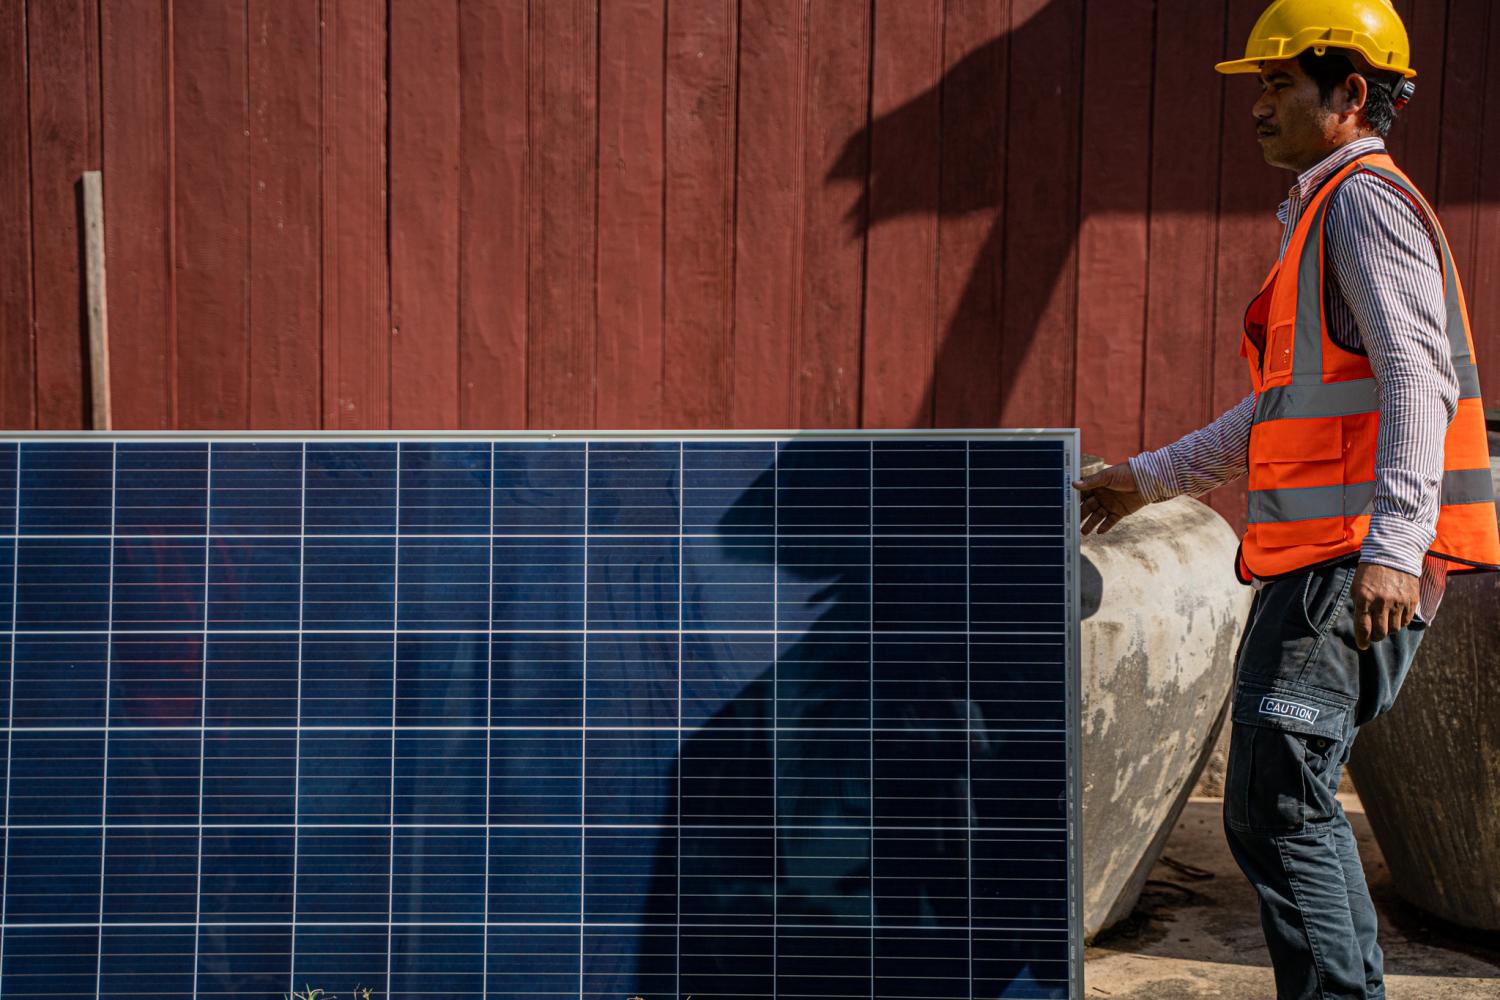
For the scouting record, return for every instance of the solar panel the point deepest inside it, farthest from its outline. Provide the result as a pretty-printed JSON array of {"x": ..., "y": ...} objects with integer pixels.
[{"x": 538, "y": 716}]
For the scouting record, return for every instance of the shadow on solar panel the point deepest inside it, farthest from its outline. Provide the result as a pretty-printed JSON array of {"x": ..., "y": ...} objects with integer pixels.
[{"x": 825, "y": 820}]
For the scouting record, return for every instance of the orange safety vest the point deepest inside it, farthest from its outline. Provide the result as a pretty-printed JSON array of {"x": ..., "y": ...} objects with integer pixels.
[{"x": 1317, "y": 414}]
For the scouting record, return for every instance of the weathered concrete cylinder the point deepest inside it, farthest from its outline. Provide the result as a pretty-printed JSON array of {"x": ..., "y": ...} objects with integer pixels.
[
  {"x": 1162, "y": 613},
  {"x": 1428, "y": 771}
]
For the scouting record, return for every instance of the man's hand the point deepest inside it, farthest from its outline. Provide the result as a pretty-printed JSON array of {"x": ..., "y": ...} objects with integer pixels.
[
  {"x": 1106, "y": 497},
  {"x": 1385, "y": 600}
]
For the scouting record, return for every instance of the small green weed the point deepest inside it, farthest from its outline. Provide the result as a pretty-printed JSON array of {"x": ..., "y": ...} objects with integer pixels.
[{"x": 309, "y": 993}]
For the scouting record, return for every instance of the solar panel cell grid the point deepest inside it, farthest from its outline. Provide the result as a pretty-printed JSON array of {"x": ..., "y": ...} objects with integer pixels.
[{"x": 526, "y": 718}]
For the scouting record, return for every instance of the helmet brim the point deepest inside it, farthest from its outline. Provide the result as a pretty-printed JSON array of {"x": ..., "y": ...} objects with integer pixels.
[
  {"x": 1239, "y": 66},
  {"x": 1249, "y": 65}
]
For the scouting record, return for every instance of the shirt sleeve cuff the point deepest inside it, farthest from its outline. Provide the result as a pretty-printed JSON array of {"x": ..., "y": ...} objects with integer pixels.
[
  {"x": 1155, "y": 477},
  {"x": 1396, "y": 542}
]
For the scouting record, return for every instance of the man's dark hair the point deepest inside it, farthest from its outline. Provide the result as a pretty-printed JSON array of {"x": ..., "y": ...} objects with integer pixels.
[{"x": 1331, "y": 70}]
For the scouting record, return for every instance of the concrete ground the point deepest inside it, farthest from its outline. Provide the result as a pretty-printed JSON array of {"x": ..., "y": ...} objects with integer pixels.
[{"x": 1196, "y": 931}]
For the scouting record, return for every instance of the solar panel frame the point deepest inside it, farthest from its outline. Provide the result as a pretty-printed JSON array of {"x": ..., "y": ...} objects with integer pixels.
[{"x": 1068, "y": 438}]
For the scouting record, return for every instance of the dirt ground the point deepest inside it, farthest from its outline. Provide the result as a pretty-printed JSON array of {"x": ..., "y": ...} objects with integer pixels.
[{"x": 1196, "y": 931}]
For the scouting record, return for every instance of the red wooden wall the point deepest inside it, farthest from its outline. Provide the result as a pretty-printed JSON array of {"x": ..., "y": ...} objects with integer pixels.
[{"x": 670, "y": 213}]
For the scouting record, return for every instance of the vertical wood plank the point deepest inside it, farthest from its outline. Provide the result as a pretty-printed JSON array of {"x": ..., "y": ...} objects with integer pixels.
[
  {"x": 562, "y": 223},
  {"x": 1041, "y": 214},
  {"x": 632, "y": 82},
  {"x": 209, "y": 45},
  {"x": 901, "y": 245},
  {"x": 356, "y": 277},
  {"x": 17, "y": 346},
  {"x": 1483, "y": 278},
  {"x": 1459, "y": 190},
  {"x": 1247, "y": 239},
  {"x": 1184, "y": 199},
  {"x": 770, "y": 193},
  {"x": 492, "y": 214},
  {"x": 1114, "y": 200},
  {"x": 136, "y": 103},
  {"x": 700, "y": 147},
  {"x": 827, "y": 350},
  {"x": 966, "y": 372},
  {"x": 424, "y": 201},
  {"x": 285, "y": 217},
  {"x": 62, "y": 41}
]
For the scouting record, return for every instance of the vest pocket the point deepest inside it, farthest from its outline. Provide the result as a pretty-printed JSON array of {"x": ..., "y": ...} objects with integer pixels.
[
  {"x": 1278, "y": 356},
  {"x": 1285, "y": 534},
  {"x": 1297, "y": 482}
]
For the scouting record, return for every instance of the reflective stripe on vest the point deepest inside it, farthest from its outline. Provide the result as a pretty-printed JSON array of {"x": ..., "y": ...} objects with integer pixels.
[
  {"x": 1341, "y": 399},
  {"x": 1307, "y": 503}
]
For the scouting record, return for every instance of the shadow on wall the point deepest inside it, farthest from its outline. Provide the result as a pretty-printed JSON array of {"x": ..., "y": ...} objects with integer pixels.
[
  {"x": 946, "y": 152},
  {"x": 905, "y": 170}
]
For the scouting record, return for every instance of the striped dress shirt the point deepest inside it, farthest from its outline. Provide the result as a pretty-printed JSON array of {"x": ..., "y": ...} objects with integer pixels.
[{"x": 1383, "y": 298}]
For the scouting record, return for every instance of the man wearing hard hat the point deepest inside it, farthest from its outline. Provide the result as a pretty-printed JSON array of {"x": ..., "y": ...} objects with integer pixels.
[{"x": 1364, "y": 441}]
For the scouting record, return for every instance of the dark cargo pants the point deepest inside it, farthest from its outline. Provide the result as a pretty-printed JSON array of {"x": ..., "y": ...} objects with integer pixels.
[{"x": 1302, "y": 690}]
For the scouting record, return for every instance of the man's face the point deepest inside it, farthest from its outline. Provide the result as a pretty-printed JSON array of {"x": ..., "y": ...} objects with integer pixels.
[{"x": 1295, "y": 129}]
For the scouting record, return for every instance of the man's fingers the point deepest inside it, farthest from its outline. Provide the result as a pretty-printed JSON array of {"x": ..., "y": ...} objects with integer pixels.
[
  {"x": 1105, "y": 498},
  {"x": 1386, "y": 599},
  {"x": 1108, "y": 479},
  {"x": 1099, "y": 515},
  {"x": 1362, "y": 627}
]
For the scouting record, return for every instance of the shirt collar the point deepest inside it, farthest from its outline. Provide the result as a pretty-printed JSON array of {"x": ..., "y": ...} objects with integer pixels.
[{"x": 1313, "y": 177}]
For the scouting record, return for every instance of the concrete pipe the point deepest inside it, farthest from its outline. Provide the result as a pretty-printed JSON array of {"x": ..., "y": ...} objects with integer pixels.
[
  {"x": 1428, "y": 771},
  {"x": 1162, "y": 614}
]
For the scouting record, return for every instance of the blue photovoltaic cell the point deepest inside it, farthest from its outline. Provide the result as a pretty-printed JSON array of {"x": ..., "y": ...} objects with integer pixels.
[{"x": 524, "y": 718}]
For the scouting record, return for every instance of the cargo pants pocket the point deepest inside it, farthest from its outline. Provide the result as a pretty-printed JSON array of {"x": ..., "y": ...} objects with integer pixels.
[{"x": 1285, "y": 751}]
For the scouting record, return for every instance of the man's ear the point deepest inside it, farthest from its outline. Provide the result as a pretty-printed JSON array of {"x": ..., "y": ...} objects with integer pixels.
[{"x": 1355, "y": 91}]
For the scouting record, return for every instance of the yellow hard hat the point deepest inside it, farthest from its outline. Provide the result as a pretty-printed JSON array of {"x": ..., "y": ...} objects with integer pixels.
[{"x": 1288, "y": 28}]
